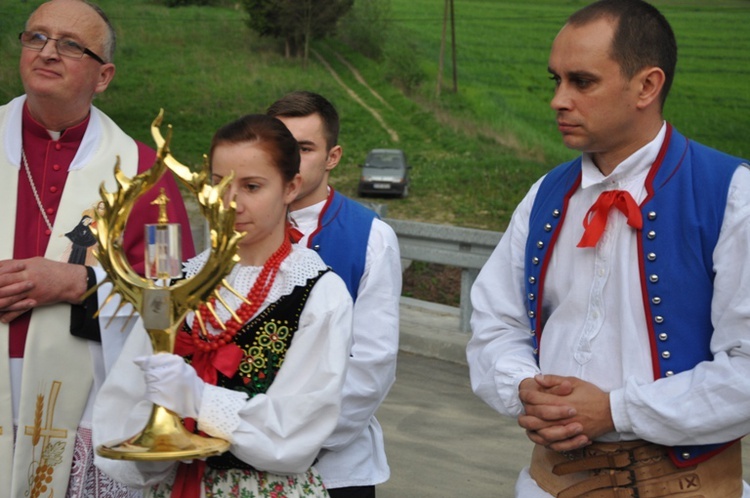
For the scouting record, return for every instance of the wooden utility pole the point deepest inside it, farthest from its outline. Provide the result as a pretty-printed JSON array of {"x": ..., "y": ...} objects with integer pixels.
[
  {"x": 442, "y": 51},
  {"x": 448, "y": 9},
  {"x": 453, "y": 48}
]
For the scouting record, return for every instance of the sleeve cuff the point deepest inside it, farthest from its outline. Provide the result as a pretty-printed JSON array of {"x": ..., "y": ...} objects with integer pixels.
[
  {"x": 620, "y": 415},
  {"x": 83, "y": 324},
  {"x": 219, "y": 414},
  {"x": 507, "y": 387}
]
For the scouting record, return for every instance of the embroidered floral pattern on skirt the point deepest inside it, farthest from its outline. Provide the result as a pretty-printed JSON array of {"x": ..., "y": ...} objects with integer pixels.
[{"x": 252, "y": 484}]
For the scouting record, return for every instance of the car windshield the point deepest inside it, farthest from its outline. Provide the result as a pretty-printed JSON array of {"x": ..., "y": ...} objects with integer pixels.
[{"x": 385, "y": 161}]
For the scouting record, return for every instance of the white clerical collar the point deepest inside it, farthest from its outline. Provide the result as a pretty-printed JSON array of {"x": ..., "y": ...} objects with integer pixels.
[
  {"x": 638, "y": 162},
  {"x": 13, "y": 136}
]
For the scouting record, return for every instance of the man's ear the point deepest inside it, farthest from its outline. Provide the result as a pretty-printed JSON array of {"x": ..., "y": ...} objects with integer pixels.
[
  {"x": 334, "y": 156},
  {"x": 651, "y": 81},
  {"x": 106, "y": 73},
  {"x": 293, "y": 189}
]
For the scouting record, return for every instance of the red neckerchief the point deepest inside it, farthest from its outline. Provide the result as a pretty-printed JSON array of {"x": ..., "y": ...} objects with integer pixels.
[{"x": 596, "y": 218}]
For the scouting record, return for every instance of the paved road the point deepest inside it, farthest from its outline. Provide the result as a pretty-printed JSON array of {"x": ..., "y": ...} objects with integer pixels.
[{"x": 441, "y": 440}]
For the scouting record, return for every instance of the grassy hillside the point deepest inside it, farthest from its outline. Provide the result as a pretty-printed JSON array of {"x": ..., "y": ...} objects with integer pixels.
[
  {"x": 474, "y": 153},
  {"x": 503, "y": 47}
]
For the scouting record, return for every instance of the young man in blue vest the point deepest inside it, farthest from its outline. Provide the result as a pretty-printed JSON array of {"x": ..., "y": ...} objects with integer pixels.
[
  {"x": 363, "y": 251},
  {"x": 612, "y": 318}
]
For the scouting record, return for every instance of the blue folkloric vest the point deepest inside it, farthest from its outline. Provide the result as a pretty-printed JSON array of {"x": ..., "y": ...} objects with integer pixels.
[
  {"x": 683, "y": 211},
  {"x": 341, "y": 238}
]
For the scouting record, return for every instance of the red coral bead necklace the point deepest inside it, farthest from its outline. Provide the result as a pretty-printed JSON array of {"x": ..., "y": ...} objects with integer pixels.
[{"x": 257, "y": 295}]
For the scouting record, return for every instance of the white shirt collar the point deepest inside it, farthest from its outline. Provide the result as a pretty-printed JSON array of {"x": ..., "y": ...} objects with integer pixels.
[
  {"x": 636, "y": 164},
  {"x": 306, "y": 218}
]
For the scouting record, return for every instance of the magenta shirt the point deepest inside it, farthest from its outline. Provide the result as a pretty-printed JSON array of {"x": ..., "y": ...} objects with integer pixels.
[{"x": 49, "y": 161}]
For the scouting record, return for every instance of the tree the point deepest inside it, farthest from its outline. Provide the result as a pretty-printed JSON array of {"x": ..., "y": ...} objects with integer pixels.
[
  {"x": 296, "y": 21},
  {"x": 366, "y": 27}
]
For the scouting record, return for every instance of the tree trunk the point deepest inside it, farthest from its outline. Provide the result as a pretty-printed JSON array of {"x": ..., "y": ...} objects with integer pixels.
[{"x": 307, "y": 50}]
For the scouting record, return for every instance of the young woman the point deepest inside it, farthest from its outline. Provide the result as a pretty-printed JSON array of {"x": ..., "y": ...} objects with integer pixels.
[{"x": 271, "y": 383}]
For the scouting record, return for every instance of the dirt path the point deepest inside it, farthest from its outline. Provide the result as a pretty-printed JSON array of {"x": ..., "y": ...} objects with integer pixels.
[
  {"x": 353, "y": 94},
  {"x": 361, "y": 80}
]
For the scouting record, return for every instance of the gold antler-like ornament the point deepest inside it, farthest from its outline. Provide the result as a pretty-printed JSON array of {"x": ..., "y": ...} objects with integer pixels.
[{"x": 163, "y": 308}]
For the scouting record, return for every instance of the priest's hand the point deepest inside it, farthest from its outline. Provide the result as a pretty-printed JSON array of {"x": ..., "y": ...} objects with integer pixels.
[
  {"x": 28, "y": 283},
  {"x": 172, "y": 383}
]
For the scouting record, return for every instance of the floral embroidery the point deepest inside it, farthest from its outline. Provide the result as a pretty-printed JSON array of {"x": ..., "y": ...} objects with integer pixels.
[
  {"x": 264, "y": 356},
  {"x": 252, "y": 484},
  {"x": 273, "y": 337}
]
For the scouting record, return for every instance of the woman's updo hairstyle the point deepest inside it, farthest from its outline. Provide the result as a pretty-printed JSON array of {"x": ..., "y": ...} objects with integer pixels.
[{"x": 270, "y": 134}]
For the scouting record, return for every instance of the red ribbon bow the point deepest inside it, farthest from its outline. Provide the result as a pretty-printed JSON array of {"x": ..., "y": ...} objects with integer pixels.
[
  {"x": 295, "y": 235},
  {"x": 225, "y": 359},
  {"x": 596, "y": 218}
]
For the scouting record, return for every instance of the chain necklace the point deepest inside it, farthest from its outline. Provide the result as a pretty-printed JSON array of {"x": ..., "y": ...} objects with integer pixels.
[{"x": 33, "y": 189}]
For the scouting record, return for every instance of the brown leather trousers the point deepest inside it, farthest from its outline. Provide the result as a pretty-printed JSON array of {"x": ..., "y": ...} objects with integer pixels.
[{"x": 635, "y": 469}]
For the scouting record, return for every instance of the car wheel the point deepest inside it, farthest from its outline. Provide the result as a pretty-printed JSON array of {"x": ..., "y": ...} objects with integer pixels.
[{"x": 405, "y": 192}]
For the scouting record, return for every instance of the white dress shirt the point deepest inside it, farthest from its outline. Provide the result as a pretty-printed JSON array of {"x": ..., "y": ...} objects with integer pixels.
[
  {"x": 596, "y": 328},
  {"x": 354, "y": 455}
]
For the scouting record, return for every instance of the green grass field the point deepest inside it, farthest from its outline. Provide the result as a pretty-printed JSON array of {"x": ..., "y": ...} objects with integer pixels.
[{"x": 474, "y": 153}]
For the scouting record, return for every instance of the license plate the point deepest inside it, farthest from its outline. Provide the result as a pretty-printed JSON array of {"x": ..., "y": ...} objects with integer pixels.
[{"x": 381, "y": 185}]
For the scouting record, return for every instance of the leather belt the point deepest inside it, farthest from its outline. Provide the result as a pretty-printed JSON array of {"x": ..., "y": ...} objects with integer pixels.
[{"x": 635, "y": 469}]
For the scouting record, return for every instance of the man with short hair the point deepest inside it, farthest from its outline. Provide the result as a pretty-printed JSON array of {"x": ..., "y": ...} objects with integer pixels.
[
  {"x": 611, "y": 320},
  {"x": 363, "y": 251},
  {"x": 56, "y": 149}
]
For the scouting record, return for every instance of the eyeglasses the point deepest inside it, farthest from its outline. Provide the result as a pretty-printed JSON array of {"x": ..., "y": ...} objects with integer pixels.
[{"x": 65, "y": 46}]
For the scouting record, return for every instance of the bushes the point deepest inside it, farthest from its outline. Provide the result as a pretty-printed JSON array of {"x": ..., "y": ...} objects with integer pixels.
[
  {"x": 365, "y": 27},
  {"x": 401, "y": 64}
]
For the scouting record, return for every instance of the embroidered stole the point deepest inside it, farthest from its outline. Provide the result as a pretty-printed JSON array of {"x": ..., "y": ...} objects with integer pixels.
[{"x": 57, "y": 369}]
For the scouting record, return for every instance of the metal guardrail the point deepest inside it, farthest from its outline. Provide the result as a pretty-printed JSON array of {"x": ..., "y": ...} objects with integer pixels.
[{"x": 466, "y": 248}]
